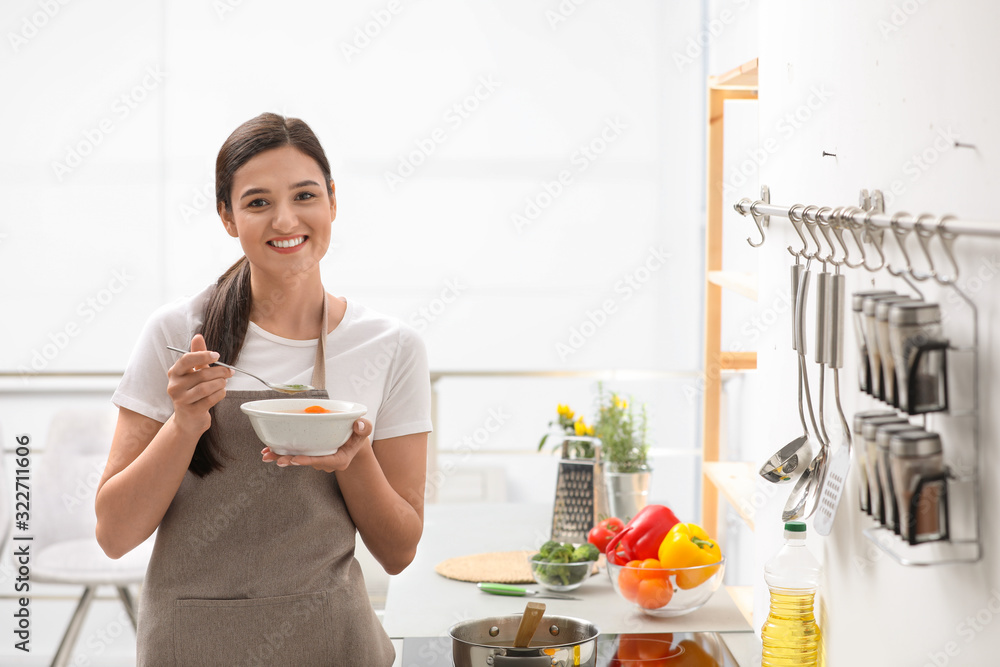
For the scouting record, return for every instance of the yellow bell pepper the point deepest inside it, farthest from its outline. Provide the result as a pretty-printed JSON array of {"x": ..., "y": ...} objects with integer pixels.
[{"x": 687, "y": 545}]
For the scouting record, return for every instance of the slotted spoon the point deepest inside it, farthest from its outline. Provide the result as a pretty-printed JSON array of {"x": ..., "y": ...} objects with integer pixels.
[{"x": 840, "y": 463}]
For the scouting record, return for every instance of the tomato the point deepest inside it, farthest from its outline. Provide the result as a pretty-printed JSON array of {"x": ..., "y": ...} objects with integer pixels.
[
  {"x": 654, "y": 593},
  {"x": 602, "y": 533},
  {"x": 628, "y": 580},
  {"x": 650, "y": 569}
]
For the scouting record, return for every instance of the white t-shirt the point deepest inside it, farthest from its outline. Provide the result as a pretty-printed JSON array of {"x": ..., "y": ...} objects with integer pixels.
[{"x": 371, "y": 359}]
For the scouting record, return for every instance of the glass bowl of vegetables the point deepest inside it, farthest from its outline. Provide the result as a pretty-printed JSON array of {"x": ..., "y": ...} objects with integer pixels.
[
  {"x": 563, "y": 567},
  {"x": 661, "y": 591}
]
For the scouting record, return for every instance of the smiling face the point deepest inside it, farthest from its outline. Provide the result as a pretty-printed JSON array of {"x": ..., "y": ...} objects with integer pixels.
[{"x": 281, "y": 212}]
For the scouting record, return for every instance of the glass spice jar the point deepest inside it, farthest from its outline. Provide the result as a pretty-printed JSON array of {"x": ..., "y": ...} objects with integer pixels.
[
  {"x": 890, "y": 504},
  {"x": 890, "y": 382},
  {"x": 919, "y": 349},
  {"x": 861, "y": 454},
  {"x": 921, "y": 483},
  {"x": 875, "y": 358},
  {"x": 871, "y": 454},
  {"x": 857, "y": 306}
]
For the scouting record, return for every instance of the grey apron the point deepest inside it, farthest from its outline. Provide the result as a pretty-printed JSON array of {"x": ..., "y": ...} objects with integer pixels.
[{"x": 254, "y": 564}]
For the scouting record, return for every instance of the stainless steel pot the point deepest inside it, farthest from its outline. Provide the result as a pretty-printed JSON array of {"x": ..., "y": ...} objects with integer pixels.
[{"x": 559, "y": 641}]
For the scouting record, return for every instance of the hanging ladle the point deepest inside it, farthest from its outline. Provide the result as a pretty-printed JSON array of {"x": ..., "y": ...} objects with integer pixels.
[
  {"x": 789, "y": 461},
  {"x": 801, "y": 501}
]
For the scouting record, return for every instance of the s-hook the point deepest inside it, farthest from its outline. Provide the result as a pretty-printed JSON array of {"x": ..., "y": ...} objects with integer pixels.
[
  {"x": 900, "y": 234},
  {"x": 876, "y": 239},
  {"x": 948, "y": 243},
  {"x": 757, "y": 220},
  {"x": 843, "y": 221},
  {"x": 924, "y": 236},
  {"x": 797, "y": 226}
]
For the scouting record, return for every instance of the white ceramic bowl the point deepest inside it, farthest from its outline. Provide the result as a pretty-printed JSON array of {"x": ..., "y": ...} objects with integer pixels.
[{"x": 282, "y": 426}]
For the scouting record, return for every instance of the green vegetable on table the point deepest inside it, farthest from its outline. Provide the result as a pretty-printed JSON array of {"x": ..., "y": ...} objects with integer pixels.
[{"x": 556, "y": 563}]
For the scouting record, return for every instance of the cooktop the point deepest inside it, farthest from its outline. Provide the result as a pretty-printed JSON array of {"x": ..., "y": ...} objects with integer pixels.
[{"x": 666, "y": 649}]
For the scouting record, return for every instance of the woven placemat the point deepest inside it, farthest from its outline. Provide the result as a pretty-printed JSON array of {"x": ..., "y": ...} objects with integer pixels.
[{"x": 502, "y": 567}]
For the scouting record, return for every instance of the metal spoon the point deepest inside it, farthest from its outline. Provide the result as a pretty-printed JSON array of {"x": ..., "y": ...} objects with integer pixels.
[
  {"x": 796, "y": 506},
  {"x": 789, "y": 461},
  {"x": 284, "y": 388}
]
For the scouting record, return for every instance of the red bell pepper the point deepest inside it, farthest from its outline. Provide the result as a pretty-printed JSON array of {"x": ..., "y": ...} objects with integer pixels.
[{"x": 641, "y": 537}]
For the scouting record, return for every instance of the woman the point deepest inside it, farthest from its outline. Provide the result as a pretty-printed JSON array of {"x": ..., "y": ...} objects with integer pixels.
[{"x": 253, "y": 561}]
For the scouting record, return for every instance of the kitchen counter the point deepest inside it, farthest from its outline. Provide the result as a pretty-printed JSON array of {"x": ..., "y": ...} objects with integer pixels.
[{"x": 422, "y": 603}]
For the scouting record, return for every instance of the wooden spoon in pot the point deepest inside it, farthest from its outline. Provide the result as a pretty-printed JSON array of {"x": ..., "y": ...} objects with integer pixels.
[{"x": 529, "y": 623}]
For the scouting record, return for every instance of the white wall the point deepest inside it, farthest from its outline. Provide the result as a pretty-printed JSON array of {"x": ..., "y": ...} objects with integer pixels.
[
  {"x": 109, "y": 181},
  {"x": 877, "y": 84},
  {"x": 115, "y": 113}
]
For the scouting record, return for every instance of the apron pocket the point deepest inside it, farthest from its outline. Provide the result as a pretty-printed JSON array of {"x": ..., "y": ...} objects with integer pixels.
[{"x": 289, "y": 630}]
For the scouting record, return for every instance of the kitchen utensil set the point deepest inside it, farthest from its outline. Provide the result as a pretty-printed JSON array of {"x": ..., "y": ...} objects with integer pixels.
[{"x": 820, "y": 483}]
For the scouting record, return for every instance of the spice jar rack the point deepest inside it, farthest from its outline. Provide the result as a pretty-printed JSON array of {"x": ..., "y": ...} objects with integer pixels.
[{"x": 957, "y": 486}]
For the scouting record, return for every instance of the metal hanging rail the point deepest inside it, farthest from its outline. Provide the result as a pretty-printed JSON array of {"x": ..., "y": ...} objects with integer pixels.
[
  {"x": 860, "y": 217},
  {"x": 867, "y": 224}
]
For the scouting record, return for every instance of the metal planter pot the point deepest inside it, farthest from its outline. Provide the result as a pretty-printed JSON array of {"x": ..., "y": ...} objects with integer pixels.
[{"x": 628, "y": 492}]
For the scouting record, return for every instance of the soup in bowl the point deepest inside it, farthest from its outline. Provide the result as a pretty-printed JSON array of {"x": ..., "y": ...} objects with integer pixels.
[{"x": 303, "y": 426}]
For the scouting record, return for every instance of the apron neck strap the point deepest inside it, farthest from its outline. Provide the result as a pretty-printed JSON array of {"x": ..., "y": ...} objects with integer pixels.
[{"x": 319, "y": 368}]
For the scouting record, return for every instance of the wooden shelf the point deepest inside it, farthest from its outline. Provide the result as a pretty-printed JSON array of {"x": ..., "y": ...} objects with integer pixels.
[
  {"x": 737, "y": 481},
  {"x": 737, "y": 361},
  {"x": 741, "y": 283},
  {"x": 743, "y": 597},
  {"x": 736, "y": 84},
  {"x": 743, "y": 77}
]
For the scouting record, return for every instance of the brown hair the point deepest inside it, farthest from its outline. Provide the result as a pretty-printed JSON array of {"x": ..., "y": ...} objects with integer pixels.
[{"x": 227, "y": 313}]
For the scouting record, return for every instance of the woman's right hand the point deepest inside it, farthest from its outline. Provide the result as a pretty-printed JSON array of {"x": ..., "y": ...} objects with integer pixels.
[{"x": 194, "y": 386}]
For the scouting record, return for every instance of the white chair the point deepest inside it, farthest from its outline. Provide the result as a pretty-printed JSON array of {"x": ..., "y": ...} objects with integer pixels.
[{"x": 63, "y": 519}]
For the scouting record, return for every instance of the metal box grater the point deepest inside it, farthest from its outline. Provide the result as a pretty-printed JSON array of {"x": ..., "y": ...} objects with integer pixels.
[{"x": 581, "y": 499}]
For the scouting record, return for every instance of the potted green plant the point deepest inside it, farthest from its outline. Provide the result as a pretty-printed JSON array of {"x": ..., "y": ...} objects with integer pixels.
[{"x": 625, "y": 449}]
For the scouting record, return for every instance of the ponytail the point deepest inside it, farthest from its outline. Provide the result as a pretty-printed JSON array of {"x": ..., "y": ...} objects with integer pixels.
[{"x": 227, "y": 317}]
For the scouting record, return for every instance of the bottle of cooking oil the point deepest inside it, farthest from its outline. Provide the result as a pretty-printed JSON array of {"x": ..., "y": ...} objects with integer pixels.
[{"x": 790, "y": 635}]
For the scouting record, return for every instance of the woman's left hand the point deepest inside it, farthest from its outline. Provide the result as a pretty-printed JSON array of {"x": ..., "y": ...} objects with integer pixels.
[{"x": 339, "y": 460}]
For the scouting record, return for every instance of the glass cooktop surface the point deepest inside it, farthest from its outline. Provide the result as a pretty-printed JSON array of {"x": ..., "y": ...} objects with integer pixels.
[{"x": 666, "y": 649}]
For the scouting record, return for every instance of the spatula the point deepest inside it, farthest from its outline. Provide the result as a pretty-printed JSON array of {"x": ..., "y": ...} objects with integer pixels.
[
  {"x": 533, "y": 613},
  {"x": 840, "y": 463}
]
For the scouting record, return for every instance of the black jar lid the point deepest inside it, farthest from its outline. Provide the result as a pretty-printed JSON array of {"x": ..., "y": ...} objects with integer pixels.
[{"x": 914, "y": 443}]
